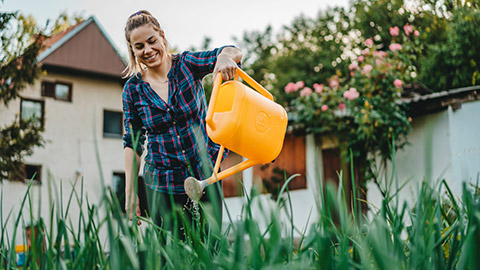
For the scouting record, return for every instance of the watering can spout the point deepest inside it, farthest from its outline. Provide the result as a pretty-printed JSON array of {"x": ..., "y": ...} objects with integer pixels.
[{"x": 247, "y": 122}]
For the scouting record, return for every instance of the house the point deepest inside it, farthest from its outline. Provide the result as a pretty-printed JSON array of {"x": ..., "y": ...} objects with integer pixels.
[{"x": 79, "y": 103}]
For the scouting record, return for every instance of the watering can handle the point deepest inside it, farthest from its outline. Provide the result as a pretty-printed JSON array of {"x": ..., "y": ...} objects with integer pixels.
[
  {"x": 213, "y": 98},
  {"x": 253, "y": 83},
  {"x": 218, "y": 81}
]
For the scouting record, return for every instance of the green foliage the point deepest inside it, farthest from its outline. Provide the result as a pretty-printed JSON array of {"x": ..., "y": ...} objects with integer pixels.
[
  {"x": 17, "y": 141},
  {"x": 436, "y": 231},
  {"x": 64, "y": 21},
  {"x": 308, "y": 50},
  {"x": 20, "y": 45},
  {"x": 456, "y": 61},
  {"x": 316, "y": 53}
]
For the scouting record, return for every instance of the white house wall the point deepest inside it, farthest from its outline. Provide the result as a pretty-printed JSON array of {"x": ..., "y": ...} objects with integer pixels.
[
  {"x": 426, "y": 157},
  {"x": 69, "y": 153},
  {"x": 465, "y": 143}
]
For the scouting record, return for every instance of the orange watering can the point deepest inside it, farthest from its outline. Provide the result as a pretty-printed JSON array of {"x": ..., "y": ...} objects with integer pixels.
[{"x": 245, "y": 121}]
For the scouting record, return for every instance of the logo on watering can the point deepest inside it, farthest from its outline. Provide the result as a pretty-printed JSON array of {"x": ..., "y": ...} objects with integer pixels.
[{"x": 262, "y": 122}]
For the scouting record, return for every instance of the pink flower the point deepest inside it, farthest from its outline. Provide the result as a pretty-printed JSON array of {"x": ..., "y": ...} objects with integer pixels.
[
  {"x": 351, "y": 94},
  {"x": 361, "y": 58},
  {"x": 290, "y": 87},
  {"x": 366, "y": 51},
  {"x": 318, "y": 87},
  {"x": 394, "y": 31},
  {"x": 408, "y": 29},
  {"x": 367, "y": 68},
  {"x": 293, "y": 87},
  {"x": 416, "y": 33},
  {"x": 395, "y": 47},
  {"x": 380, "y": 54},
  {"x": 353, "y": 66},
  {"x": 334, "y": 83},
  {"x": 369, "y": 42},
  {"x": 342, "y": 106},
  {"x": 398, "y": 83},
  {"x": 306, "y": 91},
  {"x": 324, "y": 107},
  {"x": 378, "y": 61},
  {"x": 299, "y": 84}
]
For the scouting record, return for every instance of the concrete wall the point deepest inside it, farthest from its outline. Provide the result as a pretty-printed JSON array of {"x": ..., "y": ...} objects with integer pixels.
[
  {"x": 465, "y": 144},
  {"x": 442, "y": 146},
  {"x": 69, "y": 152}
]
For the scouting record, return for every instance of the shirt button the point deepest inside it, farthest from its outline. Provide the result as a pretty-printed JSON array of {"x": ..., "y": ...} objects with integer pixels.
[
  {"x": 183, "y": 151},
  {"x": 178, "y": 136},
  {"x": 174, "y": 122}
]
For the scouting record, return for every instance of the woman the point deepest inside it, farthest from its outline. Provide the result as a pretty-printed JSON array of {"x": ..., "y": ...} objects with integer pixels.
[{"x": 164, "y": 100}]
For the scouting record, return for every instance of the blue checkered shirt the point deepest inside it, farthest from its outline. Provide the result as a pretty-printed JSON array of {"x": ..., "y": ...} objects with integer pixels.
[{"x": 177, "y": 145}]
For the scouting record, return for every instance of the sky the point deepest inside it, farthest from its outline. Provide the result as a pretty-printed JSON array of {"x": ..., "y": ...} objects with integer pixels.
[{"x": 186, "y": 22}]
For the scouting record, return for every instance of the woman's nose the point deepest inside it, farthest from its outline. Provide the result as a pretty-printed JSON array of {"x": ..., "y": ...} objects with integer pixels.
[{"x": 147, "y": 49}]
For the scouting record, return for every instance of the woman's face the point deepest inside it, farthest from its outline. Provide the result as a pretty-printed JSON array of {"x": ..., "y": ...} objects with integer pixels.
[{"x": 148, "y": 45}]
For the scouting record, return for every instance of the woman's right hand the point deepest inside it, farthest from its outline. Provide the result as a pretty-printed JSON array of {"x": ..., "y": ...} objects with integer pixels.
[{"x": 129, "y": 204}]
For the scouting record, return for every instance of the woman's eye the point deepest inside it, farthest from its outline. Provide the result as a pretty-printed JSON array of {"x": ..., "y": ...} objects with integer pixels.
[{"x": 152, "y": 41}]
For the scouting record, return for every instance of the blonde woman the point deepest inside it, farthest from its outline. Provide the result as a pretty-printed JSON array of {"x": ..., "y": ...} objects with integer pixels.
[{"x": 164, "y": 101}]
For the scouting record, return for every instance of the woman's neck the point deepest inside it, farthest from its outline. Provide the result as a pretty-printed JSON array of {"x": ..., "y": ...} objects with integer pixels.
[{"x": 160, "y": 72}]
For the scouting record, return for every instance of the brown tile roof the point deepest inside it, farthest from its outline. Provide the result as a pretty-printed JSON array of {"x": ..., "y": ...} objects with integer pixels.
[
  {"x": 84, "y": 47},
  {"x": 55, "y": 38}
]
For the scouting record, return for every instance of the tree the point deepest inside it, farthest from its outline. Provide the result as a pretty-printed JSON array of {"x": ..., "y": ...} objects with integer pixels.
[{"x": 20, "y": 42}]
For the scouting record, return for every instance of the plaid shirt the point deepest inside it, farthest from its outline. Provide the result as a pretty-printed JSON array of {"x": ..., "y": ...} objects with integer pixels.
[{"x": 178, "y": 145}]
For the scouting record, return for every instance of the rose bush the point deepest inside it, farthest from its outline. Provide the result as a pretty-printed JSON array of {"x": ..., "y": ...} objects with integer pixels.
[{"x": 362, "y": 110}]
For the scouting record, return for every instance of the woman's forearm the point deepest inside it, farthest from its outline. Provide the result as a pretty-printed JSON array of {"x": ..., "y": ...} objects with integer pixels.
[{"x": 130, "y": 173}]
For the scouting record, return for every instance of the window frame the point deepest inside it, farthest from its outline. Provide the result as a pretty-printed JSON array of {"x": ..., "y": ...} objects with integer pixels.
[
  {"x": 53, "y": 95},
  {"x": 113, "y": 135},
  {"x": 42, "y": 117}
]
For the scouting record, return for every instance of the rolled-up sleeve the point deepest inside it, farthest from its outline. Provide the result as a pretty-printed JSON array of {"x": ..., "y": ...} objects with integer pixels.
[
  {"x": 202, "y": 63},
  {"x": 134, "y": 130}
]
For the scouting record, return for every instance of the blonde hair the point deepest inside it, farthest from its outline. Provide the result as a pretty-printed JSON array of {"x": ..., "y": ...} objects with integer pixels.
[{"x": 136, "y": 20}]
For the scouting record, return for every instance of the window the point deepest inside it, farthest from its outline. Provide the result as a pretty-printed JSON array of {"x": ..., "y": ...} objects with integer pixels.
[
  {"x": 33, "y": 172},
  {"x": 32, "y": 109},
  {"x": 27, "y": 172},
  {"x": 118, "y": 185},
  {"x": 57, "y": 90},
  {"x": 112, "y": 124}
]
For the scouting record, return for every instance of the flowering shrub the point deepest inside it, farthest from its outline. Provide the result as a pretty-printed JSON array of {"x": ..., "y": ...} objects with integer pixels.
[{"x": 361, "y": 109}]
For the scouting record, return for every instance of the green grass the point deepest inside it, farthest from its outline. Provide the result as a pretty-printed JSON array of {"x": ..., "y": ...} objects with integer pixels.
[{"x": 439, "y": 231}]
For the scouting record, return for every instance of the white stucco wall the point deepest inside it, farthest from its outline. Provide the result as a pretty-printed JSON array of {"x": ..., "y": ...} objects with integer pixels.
[
  {"x": 69, "y": 152},
  {"x": 465, "y": 144},
  {"x": 426, "y": 157},
  {"x": 442, "y": 146}
]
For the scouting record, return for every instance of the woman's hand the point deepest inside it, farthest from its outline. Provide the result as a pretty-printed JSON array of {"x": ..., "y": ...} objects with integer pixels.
[
  {"x": 227, "y": 62},
  {"x": 129, "y": 204}
]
